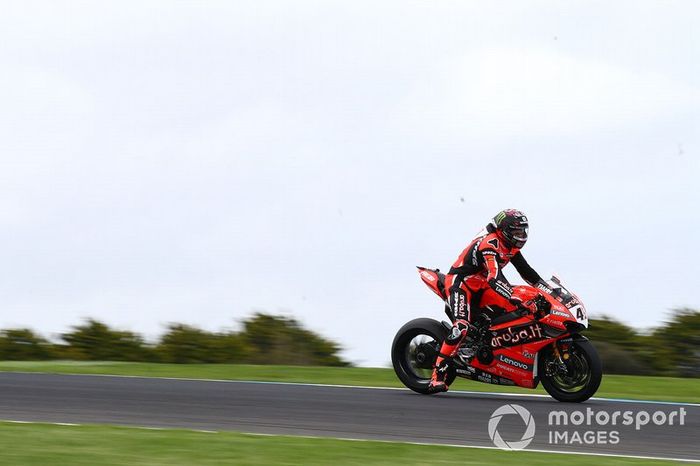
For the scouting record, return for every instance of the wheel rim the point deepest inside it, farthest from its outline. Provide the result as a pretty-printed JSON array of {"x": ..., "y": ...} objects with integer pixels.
[
  {"x": 419, "y": 356},
  {"x": 578, "y": 374}
]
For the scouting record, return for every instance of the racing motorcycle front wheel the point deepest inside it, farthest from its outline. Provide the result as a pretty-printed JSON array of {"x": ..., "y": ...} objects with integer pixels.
[
  {"x": 414, "y": 350},
  {"x": 572, "y": 375}
]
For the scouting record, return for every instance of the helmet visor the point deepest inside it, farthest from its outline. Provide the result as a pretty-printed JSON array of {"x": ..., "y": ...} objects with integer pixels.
[{"x": 519, "y": 233}]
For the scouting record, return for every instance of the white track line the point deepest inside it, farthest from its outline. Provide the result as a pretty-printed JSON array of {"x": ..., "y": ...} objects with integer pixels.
[
  {"x": 480, "y": 447},
  {"x": 363, "y": 387}
]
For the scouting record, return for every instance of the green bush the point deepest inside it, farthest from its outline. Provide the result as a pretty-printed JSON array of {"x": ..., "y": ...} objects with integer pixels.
[
  {"x": 672, "y": 349},
  {"x": 265, "y": 339},
  {"x": 185, "y": 344},
  {"x": 619, "y": 360},
  {"x": 677, "y": 343},
  {"x": 23, "y": 344},
  {"x": 95, "y": 341},
  {"x": 281, "y": 340}
]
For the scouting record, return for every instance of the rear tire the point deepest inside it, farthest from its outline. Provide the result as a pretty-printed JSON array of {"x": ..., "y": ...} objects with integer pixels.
[
  {"x": 589, "y": 371},
  {"x": 413, "y": 363}
]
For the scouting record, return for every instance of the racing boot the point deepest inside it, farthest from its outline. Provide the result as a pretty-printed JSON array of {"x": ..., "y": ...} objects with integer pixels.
[{"x": 438, "y": 381}]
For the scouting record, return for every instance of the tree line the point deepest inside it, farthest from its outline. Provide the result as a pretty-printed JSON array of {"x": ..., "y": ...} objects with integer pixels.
[
  {"x": 672, "y": 349},
  {"x": 263, "y": 339}
]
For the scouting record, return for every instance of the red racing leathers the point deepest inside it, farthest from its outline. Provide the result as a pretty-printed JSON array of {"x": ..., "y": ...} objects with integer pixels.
[
  {"x": 477, "y": 273},
  {"x": 476, "y": 282}
]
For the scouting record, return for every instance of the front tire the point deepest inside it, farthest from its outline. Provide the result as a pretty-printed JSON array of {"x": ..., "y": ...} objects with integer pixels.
[
  {"x": 413, "y": 353},
  {"x": 582, "y": 379}
]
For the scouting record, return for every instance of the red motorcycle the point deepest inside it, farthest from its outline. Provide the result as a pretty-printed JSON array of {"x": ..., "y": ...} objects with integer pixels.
[{"x": 514, "y": 348}]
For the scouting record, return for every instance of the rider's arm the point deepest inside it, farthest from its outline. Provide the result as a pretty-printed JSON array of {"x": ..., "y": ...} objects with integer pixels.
[
  {"x": 495, "y": 276},
  {"x": 528, "y": 273}
]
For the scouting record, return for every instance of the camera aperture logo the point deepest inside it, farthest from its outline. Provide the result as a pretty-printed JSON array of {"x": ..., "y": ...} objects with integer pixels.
[{"x": 528, "y": 421}]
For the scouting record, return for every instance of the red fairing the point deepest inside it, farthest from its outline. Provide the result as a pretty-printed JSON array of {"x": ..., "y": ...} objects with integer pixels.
[
  {"x": 558, "y": 315},
  {"x": 515, "y": 343},
  {"x": 516, "y": 361},
  {"x": 433, "y": 280},
  {"x": 524, "y": 293}
]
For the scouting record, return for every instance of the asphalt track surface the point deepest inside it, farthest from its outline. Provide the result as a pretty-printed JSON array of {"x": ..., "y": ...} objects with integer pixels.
[{"x": 457, "y": 418}]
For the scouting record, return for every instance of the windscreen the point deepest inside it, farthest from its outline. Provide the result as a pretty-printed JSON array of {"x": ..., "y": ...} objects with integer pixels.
[
  {"x": 561, "y": 294},
  {"x": 570, "y": 300}
]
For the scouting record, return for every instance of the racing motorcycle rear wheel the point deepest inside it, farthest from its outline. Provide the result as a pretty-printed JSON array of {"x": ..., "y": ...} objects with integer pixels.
[
  {"x": 574, "y": 378},
  {"x": 413, "y": 353}
]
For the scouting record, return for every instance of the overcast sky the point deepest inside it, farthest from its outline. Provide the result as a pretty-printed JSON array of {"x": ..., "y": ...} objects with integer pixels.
[{"x": 197, "y": 161}]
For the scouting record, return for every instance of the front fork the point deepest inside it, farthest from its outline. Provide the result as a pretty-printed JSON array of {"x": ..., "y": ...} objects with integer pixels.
[{"x": 561, "y": 356}]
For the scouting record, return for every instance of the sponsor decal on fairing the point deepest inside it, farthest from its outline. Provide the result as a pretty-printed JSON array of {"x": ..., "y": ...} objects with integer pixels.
[{"x": 518, "y": 336}]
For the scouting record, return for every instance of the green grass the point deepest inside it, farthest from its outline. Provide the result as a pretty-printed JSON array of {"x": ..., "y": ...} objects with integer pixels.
[
  {"x": 613, "y": 386},
  {"x": 45, "y": 444}
]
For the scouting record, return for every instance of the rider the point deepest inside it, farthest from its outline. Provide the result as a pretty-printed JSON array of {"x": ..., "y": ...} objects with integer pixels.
[{"x": 476, "y": 281}]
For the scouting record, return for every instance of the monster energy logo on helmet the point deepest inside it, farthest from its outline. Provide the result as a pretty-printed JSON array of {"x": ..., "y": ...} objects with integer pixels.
[{"x": 499, "y": 217}]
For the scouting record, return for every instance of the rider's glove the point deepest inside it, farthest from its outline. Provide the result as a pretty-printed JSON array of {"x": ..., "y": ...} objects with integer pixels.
[{"x": 529, "y": 305}]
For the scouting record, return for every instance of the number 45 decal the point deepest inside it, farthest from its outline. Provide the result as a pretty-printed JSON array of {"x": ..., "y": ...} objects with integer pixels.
[{"x": 579, "y": 312}]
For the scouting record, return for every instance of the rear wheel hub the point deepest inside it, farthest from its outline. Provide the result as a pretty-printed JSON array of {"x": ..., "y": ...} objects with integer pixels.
[{"x": 425, "y": 355}]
